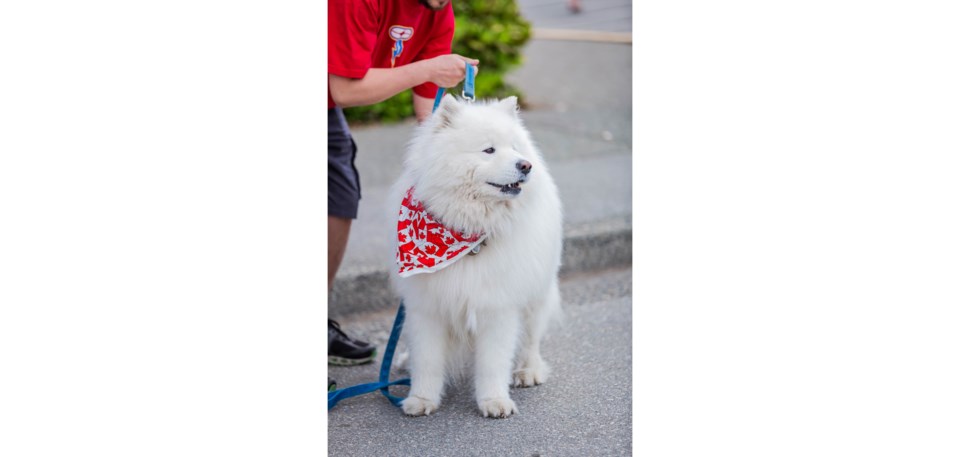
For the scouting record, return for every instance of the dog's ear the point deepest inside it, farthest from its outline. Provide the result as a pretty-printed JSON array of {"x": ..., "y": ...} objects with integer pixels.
[
  {"x": 448, "y": 109},
  {"x": 509, "y": 105}
]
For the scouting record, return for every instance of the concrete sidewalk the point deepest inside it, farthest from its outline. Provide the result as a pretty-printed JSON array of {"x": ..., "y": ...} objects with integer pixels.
[
  {"x": 595, "y": 15},
  {"x": 578, "y": 101}
]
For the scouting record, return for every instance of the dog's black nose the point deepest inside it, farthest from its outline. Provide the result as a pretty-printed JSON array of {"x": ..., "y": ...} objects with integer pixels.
[{"x": 524, "y": 166}]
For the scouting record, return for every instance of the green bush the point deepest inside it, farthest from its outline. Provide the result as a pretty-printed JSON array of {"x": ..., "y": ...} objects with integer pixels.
[{"x": 489, "y": 30}]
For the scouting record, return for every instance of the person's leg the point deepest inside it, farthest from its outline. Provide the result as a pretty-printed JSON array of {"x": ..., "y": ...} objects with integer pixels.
[
  {"x": 343, "y": 190},
  {"x": 338, "y": 231}
]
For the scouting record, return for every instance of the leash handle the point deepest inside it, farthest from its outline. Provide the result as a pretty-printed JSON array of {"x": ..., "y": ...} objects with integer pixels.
[
  {"x": 468, "y": 92},
  {"x": 468, "y": 88}
]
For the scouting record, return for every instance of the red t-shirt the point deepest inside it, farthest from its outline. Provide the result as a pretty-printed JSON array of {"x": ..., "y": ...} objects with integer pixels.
[{"x": 365, "y": 34}]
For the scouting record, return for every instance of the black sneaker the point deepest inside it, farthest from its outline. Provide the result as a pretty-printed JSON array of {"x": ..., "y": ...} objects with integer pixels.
[{"x": 342, "y": 350}]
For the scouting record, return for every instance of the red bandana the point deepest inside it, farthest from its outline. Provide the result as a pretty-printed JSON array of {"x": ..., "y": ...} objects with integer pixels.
[{"x": 424, "y": 245}]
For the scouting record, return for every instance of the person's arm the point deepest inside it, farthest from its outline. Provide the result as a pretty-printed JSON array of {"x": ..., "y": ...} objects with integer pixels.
[
  {"x": 440, "y": 43},
  {"x": 422, "y": 107},
  {"x": 379, "y": 84}
]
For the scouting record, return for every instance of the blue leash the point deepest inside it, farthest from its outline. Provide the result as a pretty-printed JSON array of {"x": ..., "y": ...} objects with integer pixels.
[
  {"x": 383, "y": 385},
  {"x": 468, "y": 90}
]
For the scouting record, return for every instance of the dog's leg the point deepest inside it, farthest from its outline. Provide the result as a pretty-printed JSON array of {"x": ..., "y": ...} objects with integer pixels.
[
  {"x": 428, "y": 354},
  {"x": 496, "y": 341},
  {"x": 531, "y": 370}
]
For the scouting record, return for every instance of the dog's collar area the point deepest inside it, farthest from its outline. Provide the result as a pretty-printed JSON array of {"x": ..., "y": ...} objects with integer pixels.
[
  {"x": 476, "y": 249},
  {"x": 424, "y": 244}
]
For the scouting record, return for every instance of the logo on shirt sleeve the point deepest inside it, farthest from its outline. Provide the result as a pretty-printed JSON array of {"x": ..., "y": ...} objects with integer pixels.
[{"x": 399, "y": 34}]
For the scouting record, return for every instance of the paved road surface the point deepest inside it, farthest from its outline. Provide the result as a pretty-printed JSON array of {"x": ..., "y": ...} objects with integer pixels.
[
  {"x": 583, "y": 410},
  {"x": 595, "y": 15}
]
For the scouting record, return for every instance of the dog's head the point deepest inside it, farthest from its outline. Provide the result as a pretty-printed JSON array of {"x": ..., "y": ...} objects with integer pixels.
[{"x": 478, "y": 150}]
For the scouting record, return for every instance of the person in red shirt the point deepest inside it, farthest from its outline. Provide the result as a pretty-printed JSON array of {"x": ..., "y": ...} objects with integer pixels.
[{"x": 377, "y": 49}]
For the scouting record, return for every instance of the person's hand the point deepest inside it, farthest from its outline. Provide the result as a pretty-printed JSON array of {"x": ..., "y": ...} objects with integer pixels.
[{"x": 448, "y": 70}]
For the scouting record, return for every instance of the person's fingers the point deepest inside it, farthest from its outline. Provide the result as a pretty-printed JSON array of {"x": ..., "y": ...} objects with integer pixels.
[{"x": 473, "y": 62}]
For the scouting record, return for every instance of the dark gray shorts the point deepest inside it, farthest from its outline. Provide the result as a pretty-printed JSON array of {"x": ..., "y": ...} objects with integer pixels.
[{"x": 343, "y": 181}]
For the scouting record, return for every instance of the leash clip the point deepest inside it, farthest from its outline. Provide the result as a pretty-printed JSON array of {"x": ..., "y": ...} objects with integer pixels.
[{"x": 468, "y": 90}]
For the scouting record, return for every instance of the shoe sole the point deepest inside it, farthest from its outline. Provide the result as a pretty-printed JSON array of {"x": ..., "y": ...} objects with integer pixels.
[{"x": 345, "y": 362}]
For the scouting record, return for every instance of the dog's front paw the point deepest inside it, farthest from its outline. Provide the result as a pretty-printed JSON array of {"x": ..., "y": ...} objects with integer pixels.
[
  {"x": 497, "y": 407},
  {"x": 531, "y": 375},
  {"x": 416, "y": 406}
]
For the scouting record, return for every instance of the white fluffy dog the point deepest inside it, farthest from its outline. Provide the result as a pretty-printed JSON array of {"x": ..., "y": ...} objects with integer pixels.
[{"x": 474, "y": 181}]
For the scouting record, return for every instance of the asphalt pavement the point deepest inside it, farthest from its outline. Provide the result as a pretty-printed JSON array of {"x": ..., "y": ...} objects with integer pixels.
[{"x": 584, "y": 409}]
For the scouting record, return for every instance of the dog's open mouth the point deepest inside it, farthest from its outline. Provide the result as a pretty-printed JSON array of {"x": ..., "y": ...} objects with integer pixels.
[{"x": 511, "y": 189}]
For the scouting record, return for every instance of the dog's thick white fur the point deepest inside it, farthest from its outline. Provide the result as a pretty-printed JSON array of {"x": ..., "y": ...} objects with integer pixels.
[{"x": 491, "y": 309}]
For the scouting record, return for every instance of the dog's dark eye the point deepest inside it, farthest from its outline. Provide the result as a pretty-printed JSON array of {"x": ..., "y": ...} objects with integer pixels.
[{"x": 489, "y": 150}]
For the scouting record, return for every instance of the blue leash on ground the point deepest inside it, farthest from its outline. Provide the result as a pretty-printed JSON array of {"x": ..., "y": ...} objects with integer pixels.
[{"x": 383, "y": 385}]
